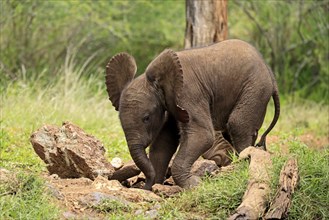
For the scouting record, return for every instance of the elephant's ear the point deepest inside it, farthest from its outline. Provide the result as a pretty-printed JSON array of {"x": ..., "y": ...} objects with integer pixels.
[
  {"x": 120, "y": 71},
  {"x": 166, "y": 73}
]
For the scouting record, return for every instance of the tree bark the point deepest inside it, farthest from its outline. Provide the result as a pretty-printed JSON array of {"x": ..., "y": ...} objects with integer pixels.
[{"x": 206, "y": 22}]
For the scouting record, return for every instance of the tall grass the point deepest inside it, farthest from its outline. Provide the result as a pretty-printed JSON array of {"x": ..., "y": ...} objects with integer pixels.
[
  {"x": 28, "y": 199},
  {"x": 27, "y": 105}
]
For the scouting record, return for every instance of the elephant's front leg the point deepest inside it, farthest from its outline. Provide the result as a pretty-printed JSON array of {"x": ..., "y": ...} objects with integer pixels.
[
  {"x": 195, "y": 141},
  {"x": 163, "y": 148}
]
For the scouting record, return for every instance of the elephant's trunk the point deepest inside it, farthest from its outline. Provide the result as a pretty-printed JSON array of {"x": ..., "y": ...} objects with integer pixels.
[{"x": 140, "y": 158}]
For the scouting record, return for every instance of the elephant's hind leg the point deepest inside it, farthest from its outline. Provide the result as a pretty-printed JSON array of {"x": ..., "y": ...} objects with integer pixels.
[{"x": 246, "y": 119}]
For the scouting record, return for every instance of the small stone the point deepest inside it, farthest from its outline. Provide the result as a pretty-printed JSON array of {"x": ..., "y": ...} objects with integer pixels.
[
  {"x": 117, "y": 163},
  {"x": 54, "y": 176},
  {"x": 103, "y": 183},
  {"x": 138, "y": 185},
  {"x": 96, "y": 198},
  {"x": 69, "y": 215},
  {"x": 166, "y": 191},
  {"x": 54, "y": 192},
  {"x": 152, "y": 214},
  {"x": 204, "y": 167},
  {"x": 144, "y": 195},
  {"x": 157, "y": 206},
  {"x": 139, "y": 212}
]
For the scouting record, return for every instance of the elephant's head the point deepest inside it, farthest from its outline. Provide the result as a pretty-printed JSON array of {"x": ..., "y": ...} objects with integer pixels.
[{"x": 144, "y": 102}]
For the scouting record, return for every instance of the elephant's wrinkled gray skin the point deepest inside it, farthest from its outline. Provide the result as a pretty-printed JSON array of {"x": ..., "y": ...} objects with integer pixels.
[{"x": 184, "y": 98}]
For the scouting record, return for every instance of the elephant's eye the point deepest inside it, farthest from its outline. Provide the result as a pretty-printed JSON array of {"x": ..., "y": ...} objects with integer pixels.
[{"x": 146, "y": 118}]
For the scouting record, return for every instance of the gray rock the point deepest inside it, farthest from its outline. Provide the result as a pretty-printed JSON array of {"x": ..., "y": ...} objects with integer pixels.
[
  {"x": 54, "y": 191},
  {"x": 204, "y": 167},
  {"x": 165, "y": 190}
]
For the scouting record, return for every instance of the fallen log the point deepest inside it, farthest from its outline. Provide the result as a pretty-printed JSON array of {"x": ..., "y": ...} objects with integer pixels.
[
  {"x": 256, "y": 196},
  {"x": 288, "y": 182},
  {"x": 125, "y": 172}
]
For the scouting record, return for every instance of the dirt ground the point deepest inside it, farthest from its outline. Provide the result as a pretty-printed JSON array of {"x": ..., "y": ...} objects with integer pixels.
[{"x": 82, "y": 197}]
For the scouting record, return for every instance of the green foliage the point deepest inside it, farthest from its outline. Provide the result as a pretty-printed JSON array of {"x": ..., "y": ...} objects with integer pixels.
[
  {"x": 293, "y": 38},
  {"x": 37, "y": 35},
  {"x": 28, "y": 199}
]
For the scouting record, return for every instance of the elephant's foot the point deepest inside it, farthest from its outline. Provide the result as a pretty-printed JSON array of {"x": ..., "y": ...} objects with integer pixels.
[
  {"x": 191, "y": 182},
  {"x": 148, "y": 185}
]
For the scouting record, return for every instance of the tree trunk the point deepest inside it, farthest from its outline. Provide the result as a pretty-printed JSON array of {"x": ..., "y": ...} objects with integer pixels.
[{"x": 206, "y": 22}]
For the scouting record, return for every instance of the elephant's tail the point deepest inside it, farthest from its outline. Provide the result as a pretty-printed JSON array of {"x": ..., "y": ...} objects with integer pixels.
[{"x": 275, "y": 96}]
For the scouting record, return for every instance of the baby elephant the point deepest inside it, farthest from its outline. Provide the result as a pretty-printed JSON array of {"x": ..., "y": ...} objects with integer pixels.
[{"x": 184, "y": 99}]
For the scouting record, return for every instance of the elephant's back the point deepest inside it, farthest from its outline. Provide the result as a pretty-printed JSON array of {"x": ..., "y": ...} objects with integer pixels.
[
  {"x": 227, "y": 64},
  {"x": 230, "y": 52},
  {"x": 223, "y": 72}
]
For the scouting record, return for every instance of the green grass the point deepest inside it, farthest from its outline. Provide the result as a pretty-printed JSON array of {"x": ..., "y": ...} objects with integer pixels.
[
  {"x": 311, "y": 199},
  {"x": 215, "y": 198},
  {"x": 26, "y": 198},
  {"x": 26, "y": 106}
]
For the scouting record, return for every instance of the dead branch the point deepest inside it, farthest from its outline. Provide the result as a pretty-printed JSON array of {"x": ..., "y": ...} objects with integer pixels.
[
  {"x": 288, "y": 182},
  {"x": 256, "y": 196}
]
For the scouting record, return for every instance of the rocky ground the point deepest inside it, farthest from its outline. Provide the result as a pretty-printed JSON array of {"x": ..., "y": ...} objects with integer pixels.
[{"x": 82, "y": 180}]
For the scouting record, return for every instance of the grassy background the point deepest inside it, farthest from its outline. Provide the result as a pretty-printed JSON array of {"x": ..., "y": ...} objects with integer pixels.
[{"x": 51, "y": 70}]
